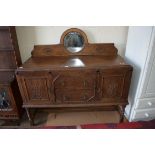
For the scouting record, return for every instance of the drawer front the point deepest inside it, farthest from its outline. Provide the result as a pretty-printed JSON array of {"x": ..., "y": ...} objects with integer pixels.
[
  {"x": 144, "y": 114},
  {"x": 145, "y": 103},
  {"x": 74, "y": 96},
  {"x": 76, "y": 80}
]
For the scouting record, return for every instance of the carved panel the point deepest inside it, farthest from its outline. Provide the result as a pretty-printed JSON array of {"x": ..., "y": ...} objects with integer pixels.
[
  {"x": 7, "y": 102},
  {"x": 37, "y": 88},
  {"x": 7, "y": 60},
  {"x": 5, "y": 40},
  {"x": 4, "y": 100},
  {"x": 112, "y": 86}
]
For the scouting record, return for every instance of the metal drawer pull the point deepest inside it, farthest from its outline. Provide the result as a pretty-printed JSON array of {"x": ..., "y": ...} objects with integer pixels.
[
  {"x": 147, "y": 115},
  {"x": 149, "y": 103},
  {"x": 84, "y": 97},
  {"x": 66, "y": 98},
  {"x": 85, "y": 83},
  {"x": 63, "y": 83}
]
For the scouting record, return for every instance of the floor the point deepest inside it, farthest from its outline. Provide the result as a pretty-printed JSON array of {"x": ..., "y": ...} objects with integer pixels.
[{"x": 42, "y": 118}]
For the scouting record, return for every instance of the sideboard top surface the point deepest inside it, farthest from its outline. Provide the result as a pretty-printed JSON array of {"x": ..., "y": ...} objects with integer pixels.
[{"x": 57, "y": 62}]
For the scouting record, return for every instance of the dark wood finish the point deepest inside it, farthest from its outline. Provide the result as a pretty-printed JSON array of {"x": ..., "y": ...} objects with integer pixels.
[
  {"x": 105, "y": 49},
  {"x": 94, "y": 78},
  {"x": 36, "y": 87},
  {"x": 9, "y": 61},
  {"x": 29, "y": 114}
]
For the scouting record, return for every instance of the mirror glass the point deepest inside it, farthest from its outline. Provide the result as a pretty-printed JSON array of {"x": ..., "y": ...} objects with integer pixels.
[{"x": 74, "y": 42}]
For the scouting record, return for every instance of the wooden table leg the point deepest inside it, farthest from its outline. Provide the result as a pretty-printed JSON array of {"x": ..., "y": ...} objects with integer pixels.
[
  {"x": 29, "y": 116},
  {"x": 121, "y": 109}
]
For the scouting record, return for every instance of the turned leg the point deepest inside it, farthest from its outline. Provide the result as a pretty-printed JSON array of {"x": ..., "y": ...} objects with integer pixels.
[
  {"x": 121, "y": 110},
  {"x": 18, "y": 122},
  {"x": 55, "y": 115},
  {"x": 29, "y": 116}
]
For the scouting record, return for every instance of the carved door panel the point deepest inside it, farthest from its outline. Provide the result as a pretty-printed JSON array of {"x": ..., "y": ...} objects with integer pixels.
[
  {"x": 36, "y": 87},
  {"x": 114, "y": 83},
  {"x": 7, "y": 102}
]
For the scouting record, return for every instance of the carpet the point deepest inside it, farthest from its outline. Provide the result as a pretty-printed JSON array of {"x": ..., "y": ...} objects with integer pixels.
[
  {"x": 125, "y": 125},
  {"x": 77, "y": 118}
]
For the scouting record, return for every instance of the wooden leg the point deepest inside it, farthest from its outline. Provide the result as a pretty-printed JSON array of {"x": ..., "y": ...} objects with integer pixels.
[
  {"x": 121, "y": 110},
  {"x": 18, "y": 122},
  {"x": 55, "y": 115},
  {"x": 29, "y": 116}
]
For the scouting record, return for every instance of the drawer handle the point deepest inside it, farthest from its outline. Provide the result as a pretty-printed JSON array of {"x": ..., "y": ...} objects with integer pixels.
[
  {"x": 84, "y": 97},
  {"x": 63, "y": 83},
  {"x": 85, "y": 83},
  {"x": 149, "y": 103},
  {"x": 147, "y": 115},
  {"x": 66, "y": 98},
  {"x": 98, "y": 90}
]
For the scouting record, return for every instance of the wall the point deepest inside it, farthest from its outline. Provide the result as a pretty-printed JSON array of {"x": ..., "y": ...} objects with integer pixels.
[{"x": 30, "y": 36}]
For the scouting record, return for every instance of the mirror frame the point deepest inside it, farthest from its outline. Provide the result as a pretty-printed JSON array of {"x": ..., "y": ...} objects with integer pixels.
[{"x": 74, "y": 30}]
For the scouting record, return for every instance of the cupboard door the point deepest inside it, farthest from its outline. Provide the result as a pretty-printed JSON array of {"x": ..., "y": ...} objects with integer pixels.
[
  {"x": 148, "y": 89},
  {"x": 114, "y": 83},
  {"x": 7, "y": 103},
  {"x": 7, "y": 60},
  {"x": 36, "y": 87},
  {"x": 5, "y": 39}
]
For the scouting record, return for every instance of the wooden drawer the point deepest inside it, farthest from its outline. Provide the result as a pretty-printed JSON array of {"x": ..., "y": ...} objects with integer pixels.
[
  {"x": 145, "y": 103},
  {"x": 76, "y": 80},
  {"x": 144, "y": 114},
  {"x": 74, "y": 96}
]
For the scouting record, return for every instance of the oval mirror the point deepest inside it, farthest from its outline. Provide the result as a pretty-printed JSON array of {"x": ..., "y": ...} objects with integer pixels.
[{"x": 74, "y": 42}]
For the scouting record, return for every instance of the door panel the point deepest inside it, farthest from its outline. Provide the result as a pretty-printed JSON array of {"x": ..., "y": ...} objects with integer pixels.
[
  {"x": 148, "y": 78},
  {"x": 114, "y": 83},
  {"x": 7, "y": 102},
  {"x": 149, "y": 90},
  {"x": 112, "y": 86},
  {"x": 36, "y": 87}
]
